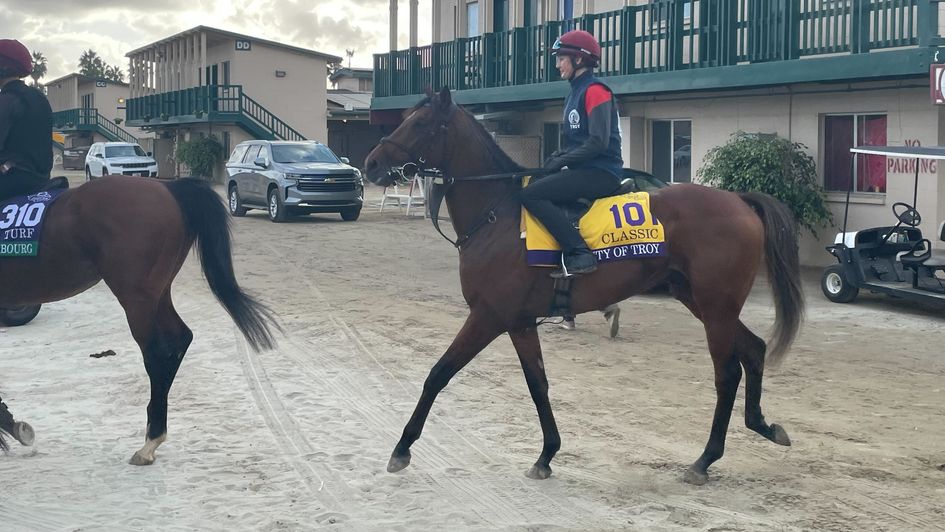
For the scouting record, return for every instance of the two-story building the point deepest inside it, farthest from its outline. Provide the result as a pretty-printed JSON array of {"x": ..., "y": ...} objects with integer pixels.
[
  {"x": 211, "y": 82},
  {"x": 687, "y": 74},
  {"x": 89, "y": 109}
]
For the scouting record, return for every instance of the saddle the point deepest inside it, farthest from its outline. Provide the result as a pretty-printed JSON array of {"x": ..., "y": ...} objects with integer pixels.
[
  {"x": 574, "y": 211},
  {"x": 53, "y": 183}
]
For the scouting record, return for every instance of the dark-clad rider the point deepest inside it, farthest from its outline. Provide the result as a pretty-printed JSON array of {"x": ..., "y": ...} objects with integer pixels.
[
  {"x": 591, "y": 152},
  {"x": 25, "y": 125}
]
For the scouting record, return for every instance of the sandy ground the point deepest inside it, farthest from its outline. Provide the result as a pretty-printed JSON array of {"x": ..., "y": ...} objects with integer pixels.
[{"x": 298, "y": 438}]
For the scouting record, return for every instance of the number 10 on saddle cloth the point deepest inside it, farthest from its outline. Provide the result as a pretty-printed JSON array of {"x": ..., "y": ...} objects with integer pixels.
[{"x": 615, "y": 228}]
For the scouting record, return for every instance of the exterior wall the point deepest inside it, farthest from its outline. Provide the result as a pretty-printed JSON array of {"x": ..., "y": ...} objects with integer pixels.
[
  {"x": 298, "y": 98},
  {"x": 64, "y": 94},
  {"x": 799, "y": 116}
]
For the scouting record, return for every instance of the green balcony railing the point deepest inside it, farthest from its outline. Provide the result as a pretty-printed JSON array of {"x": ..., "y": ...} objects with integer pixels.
[
  {"x": 210, "y": 103},
  {"x": 89, "y": 119},
  {"x": 666, "y": 35}
]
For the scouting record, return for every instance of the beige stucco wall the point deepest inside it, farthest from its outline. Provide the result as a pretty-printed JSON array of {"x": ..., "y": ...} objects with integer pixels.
[
  {"x": 63, "y": 94},
  {"x": 910, "y": 117}
]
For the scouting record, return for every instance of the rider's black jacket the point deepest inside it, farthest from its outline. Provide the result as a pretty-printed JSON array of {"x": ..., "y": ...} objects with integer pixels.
[{"x": 25, "y": 129}]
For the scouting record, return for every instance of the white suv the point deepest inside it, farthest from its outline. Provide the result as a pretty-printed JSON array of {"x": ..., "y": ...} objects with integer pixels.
[{"x": 118, "y": 158}]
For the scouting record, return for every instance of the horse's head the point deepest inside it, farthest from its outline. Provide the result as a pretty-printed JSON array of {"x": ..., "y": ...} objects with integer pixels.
[{"x": 420, "y": 141}]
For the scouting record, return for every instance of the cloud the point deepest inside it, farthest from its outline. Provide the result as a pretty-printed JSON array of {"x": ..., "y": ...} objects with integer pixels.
[{"x": 62, "y": 29}]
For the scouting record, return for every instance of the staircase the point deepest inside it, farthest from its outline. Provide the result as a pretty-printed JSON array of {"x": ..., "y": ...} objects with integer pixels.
[
  {"x": 89, "y": 119},
  {"x": 210, "y": 103}
]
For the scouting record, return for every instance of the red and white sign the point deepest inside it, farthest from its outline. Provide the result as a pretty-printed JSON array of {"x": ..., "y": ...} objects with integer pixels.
[{"x": 937, "y": 83}]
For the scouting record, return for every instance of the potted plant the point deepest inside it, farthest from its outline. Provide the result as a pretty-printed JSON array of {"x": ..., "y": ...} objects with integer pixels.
[
  {"x": 117, "y": 121},
  {"x": 198, "y": 113},
  {"x": 164, "y": 117}
]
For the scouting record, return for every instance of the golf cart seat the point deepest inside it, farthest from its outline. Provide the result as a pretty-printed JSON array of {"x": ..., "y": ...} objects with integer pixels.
[{"x": 930, "y": 258}]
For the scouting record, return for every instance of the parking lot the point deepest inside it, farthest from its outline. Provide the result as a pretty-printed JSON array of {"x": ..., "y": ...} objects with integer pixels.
[{"x": 298, "y": 438}]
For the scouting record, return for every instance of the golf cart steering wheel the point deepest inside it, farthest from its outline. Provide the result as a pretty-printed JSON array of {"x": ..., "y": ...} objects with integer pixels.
[{"x": 906, "y": 214}]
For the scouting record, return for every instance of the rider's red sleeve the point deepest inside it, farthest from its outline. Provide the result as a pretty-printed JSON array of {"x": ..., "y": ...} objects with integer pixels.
[{"x": 596, "y": 94}]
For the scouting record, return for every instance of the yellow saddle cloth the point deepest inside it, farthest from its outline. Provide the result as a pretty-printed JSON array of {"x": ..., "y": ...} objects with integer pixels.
[{"x": 615, "y": 228}]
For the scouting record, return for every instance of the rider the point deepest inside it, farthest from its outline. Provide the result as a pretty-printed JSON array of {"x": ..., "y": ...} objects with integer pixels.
[
  {"x": 25, "y": 125},
  {"x": 591, "y": 152}
]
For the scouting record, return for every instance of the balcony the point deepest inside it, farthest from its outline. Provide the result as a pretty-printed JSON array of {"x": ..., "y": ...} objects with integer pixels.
[
  {"x": 89, "y": 119},
  {"x": 208, "y": 104},
  {"x": 667, "y": 46}
]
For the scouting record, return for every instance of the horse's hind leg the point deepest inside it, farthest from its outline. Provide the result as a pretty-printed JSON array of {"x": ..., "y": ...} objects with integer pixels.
[
  {"x": 720, "y": 332},
  {"x": 528, "y": 348},
  {"x": 20, "y": 430},
  {"x": 476, "y": 334},
  {"x": 751, "y": 353},
  {"x": 164, "y": 339}
]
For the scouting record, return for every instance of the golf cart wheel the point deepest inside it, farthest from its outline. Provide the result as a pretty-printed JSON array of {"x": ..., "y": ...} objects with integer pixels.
[{"x": 836, "y": 286}]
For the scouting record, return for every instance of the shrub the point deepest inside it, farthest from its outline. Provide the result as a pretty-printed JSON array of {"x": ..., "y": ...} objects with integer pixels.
[
  {"x": 117, "y": 121},
  {"x": 772, "y": 165},
  {"x": 201, "y": 155}
]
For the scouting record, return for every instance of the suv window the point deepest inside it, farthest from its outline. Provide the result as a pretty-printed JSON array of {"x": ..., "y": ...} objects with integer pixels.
[
  {"x": 303, "y": 153},
  {"x": 264, "y": 152},
  {"x": 237, "y": 154},
  {"x": 251, "y": 154},
  {"x": 124, "y": 151}
]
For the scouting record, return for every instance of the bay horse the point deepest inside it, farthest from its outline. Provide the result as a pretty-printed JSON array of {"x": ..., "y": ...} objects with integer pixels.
[
  {"x": 135, "y": 234},
  {"x": 716, "y": 241}
]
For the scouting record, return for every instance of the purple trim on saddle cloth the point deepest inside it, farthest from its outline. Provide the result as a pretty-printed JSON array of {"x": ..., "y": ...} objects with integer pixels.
[
  {"x": 21, "y": 223},
  {"x": 541, "y": 257}
]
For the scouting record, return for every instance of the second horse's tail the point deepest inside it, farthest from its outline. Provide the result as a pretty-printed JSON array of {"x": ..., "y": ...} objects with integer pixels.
[
  {"x": 784, "y": 270},
  {"x": 206, "y": 218}
]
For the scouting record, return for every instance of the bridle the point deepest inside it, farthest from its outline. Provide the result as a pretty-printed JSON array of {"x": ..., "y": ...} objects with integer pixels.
[{"x": 441, "y": 181}]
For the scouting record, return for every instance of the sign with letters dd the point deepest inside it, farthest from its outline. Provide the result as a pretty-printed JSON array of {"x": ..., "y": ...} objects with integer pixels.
[
  {"x": 244, "y": 46},
  {"x": 937, "y": 83}
]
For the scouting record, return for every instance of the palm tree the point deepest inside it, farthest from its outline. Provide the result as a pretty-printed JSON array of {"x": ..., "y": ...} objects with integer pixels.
[{"x": 39, "y": 67}]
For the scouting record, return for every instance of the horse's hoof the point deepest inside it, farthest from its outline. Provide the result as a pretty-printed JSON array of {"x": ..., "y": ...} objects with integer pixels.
[
  {"x": 538, "y": 472},
  {"x": 779, "y": 435},
  {"x": 696, "y": 478},
  {"x": 140, "y": 460},
  {"x": 23, "y": 433},
  {"x": 398, "y": 462}
]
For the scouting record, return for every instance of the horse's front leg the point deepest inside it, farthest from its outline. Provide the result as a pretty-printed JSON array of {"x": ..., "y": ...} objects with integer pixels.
[
  {"x": 476, "y": 334},
  {"x": 20, "y": 430},
  {"x": 528, "y": 348}
]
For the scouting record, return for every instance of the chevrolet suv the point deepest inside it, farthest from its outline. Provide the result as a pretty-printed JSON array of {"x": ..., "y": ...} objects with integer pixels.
[{"x": 288, "y": 178}]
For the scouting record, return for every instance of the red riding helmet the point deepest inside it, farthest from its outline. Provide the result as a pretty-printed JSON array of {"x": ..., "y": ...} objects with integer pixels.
[
  {"x": 578, "y": 43},
  {"x": 15, "y": 59}
]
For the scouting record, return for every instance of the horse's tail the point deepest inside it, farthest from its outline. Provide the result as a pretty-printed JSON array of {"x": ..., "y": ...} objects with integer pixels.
[
  {"x": 784, "y": 270},
  {"x": 206, "y": 218},
  {"x": 6, "y": 420}
]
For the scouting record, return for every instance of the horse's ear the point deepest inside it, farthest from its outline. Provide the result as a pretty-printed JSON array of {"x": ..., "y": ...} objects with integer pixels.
[{"x": 445, "y": 98}]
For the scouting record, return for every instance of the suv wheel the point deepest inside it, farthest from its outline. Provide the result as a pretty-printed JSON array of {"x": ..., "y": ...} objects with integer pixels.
[
  {"x": 276, "y": 208},
  {"x": 88, "y": 174},
  {"x": 236, "y": 203},
  {"x": 104, "y": 171},
  {"x": 351, "y": 214}
]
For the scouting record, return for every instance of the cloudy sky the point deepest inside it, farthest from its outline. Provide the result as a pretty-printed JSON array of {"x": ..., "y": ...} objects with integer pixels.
[{"x": 62, "y": 29}]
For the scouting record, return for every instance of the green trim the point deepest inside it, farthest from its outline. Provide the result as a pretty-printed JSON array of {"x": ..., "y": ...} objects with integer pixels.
[
  {"x": 861, "y": 67},
  {"x": 89, "y": 119}
]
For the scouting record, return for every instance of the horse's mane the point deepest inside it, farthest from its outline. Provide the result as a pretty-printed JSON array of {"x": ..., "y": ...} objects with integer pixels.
[{"x": 503, "y": 162}]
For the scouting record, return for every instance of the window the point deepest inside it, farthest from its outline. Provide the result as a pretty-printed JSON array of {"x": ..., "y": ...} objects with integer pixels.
[
  {"x": 661, "y": 13},
  {"x": 500, "y": 15},
  {"x": 566, "y": 9},
  {"x": 842, "y": 132},
  {"x": 251, "y": 154},
  {"x": 124, "y": 151},
  {"x": 88, "y": 101},
  {"x": 472, "y": 19},
  {"x": 531, "y": 13},
  {"x": 264, "y": 152},
  {"x": 671, "y": 150},
  {"x": 302, "y": 153},
  {"x": 237, "y": 154},
  {"x": 552, "y": 140}
]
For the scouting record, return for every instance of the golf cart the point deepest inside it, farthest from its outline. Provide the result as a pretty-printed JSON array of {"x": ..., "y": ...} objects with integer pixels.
[{"x": 895, "y": 260}]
